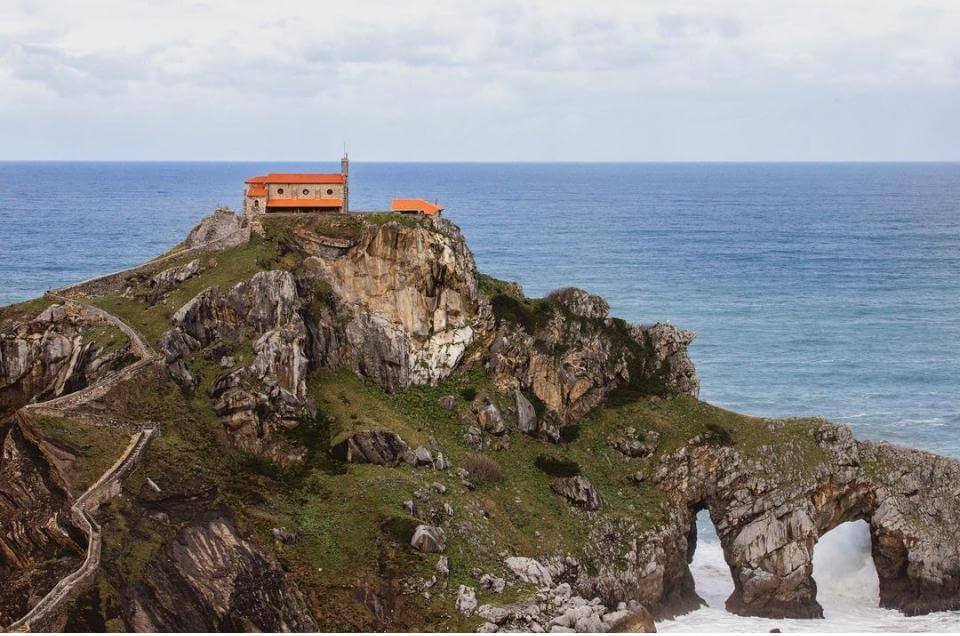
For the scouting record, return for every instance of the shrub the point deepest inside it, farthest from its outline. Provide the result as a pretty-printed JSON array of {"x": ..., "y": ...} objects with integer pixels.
[
  {"x": 557, "y": 466},
  {"x": 483, "y": 469},
  {"x": 468, "y": 394},
  {"x": 718, "y": 435},
  {"x": 570, "y": 434}
]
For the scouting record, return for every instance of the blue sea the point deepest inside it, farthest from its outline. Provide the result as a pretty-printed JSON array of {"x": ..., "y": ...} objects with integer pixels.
[{"x": 815, "y": 289}]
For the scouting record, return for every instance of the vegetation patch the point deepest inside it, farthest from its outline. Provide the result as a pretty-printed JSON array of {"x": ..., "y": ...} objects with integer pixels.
[
  {"x": 95, "y": 448},
  {"x": 22, "y": 312},
  {"x": 221, "y": 269},
  {"x": 483, "y": 469}
]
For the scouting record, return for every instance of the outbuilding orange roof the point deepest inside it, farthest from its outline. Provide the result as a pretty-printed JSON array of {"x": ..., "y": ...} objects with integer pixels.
[
  {"x": 415, "y": 205},
  {"x": 257, "y": 191},
  {"x": 305, "y": 203},
  {"x": 298, "y": 177}
]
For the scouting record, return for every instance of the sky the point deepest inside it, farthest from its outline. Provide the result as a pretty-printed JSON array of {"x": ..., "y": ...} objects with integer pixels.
[{"x": 557, "y": 80}]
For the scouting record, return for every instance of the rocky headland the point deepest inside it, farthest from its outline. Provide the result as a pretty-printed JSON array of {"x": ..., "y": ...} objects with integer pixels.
[{"x": 353, "y": 429}]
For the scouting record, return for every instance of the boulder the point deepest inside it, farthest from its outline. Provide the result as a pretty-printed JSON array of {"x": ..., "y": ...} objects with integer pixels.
[
  {"x": 636, "y": 621},
  {"x": 492, "y": 583},
  {"x": 526, "y": 414},
  {"x": 448, "y": 402},
  {"x": 466, "y": 600},
  {"x": 529, "y": 570},
  {"x": 384, "y": 448},
  {"x": 490, "y": 420},
  {"x": 423, "y": 457},
  {"x": 428, "y": 539},
  {"x": 578, "y": 490}
]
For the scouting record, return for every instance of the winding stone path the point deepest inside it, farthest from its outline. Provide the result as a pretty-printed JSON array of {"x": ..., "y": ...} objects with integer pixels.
[
  {"x": 109, "y": 484},
  {"x": 104, "y": 489}
]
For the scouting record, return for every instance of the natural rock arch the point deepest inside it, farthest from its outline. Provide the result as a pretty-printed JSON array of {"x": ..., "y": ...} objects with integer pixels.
[{"x": 769, "y": 512}]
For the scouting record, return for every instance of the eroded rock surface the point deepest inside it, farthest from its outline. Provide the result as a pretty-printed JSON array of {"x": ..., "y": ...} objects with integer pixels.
[
  {"x": 769, "y": 509},
  {"x": 211, "y": 579},
  {"x": 38, "y": 545},
  {"x": 405, "y": 300},
  {"x": 222, "y": 227},
  {"x": 570, "y": 355},
  {"x": 53, "y": 355}
]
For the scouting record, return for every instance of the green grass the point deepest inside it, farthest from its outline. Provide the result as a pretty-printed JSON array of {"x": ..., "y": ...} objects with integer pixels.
[
  {"x": 222, "y": 269},
  {"x": 96, "y": 448},
  {"x": 22, "y": 312},
  {"x": 282, "y": 229},
  {"x": 105, "y": 336}
]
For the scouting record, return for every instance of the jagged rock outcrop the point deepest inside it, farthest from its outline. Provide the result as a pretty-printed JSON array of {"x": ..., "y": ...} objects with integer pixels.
[
  {"x": 769, "y": 509},
  {"x": 257, "y": 400},
  {"x": 223, "y": 226},
  {"x": 634, "y": 444},
  {"x": 38, "y": 544},
  {"x": 403, "y": 305},
  {"x": 211, "y": 579},
  {"x": 569, "y": 354},
  {"x": 53, "y": 355},
  {"x": 384, "y": 448},
  {"x": 577, "y": 490}
]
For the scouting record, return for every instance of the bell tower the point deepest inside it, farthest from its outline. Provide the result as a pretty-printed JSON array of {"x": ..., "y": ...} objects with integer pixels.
[{"x": 345, "y": 171}]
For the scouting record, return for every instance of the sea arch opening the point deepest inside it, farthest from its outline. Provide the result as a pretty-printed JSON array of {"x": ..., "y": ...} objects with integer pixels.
[
  {"x": 712, "y": 579},
  {"x": 844, "y": 570}
]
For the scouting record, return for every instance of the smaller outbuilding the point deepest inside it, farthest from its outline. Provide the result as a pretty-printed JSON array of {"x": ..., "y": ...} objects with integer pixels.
[{"x": 415, "y": 206}]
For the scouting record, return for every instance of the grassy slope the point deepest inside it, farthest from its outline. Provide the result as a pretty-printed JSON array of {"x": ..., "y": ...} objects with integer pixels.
[
  {"x": 222, "y": 269},
  {"x": 96, "y": 448}
]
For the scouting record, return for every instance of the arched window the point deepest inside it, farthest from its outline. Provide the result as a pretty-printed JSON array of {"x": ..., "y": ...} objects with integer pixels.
[
  {"x": 279, "y": 190},
  {"x": 256, "y": 203},
  {"x": 305, "y": 191}
]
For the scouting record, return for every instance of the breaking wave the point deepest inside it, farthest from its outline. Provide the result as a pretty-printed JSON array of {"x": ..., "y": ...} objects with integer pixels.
[{"x": 847, "y": 584}]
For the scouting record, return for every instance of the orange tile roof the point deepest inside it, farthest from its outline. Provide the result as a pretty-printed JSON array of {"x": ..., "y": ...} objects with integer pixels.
[
  {"x": 275, "y": 177},
  {"x": 415, "y": 205},
  {"x": 257, "y": 191},
  {"x": 305, "y": 203}
]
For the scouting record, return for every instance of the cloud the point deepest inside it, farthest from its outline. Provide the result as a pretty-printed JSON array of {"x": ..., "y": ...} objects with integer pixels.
[{"x": 219, "y": 69}]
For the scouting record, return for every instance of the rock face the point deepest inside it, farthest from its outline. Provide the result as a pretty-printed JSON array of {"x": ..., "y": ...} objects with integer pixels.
[
  {"x": 51, "y": 356},
  {"x": 400, "y": 304},
  {"x": 769, "y": 509},
  {"x": 570, "y": 355},
  {"x": 403, "y": 304},
  {"x": 211, "y": 579},
  {"x": 37, "y": 543},
  {"x": 223, "y": 225},
  {"x": 258, "y": 400}
]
